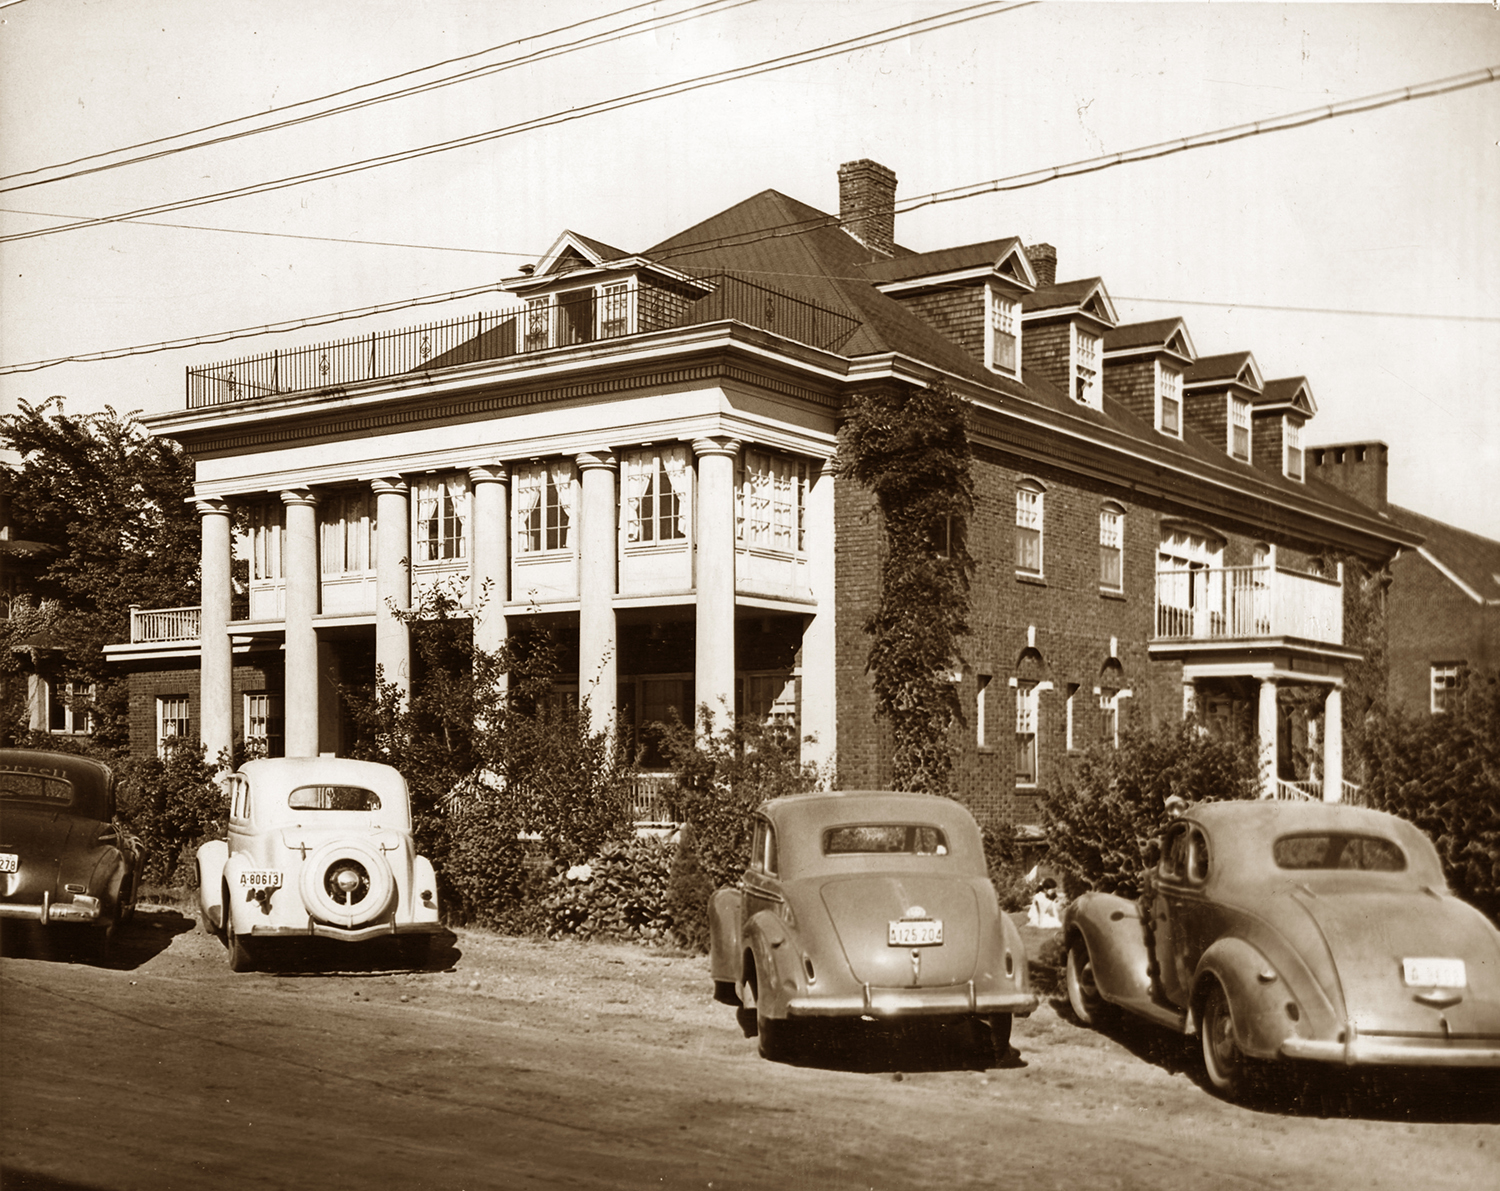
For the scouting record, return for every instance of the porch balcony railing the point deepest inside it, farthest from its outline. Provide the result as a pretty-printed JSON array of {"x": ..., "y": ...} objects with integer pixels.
[
  {"x": 1227, "y": 603},
  {"x": 149, "y": 625},
  {"x": 1306, "y": 790},
  {"x": 582, "y": 316},
  {"x": 650, "y": 799}
]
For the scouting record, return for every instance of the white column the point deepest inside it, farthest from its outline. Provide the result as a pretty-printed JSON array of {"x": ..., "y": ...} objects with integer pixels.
[
  {"x": 714, "y": 581},
  {"x": 216, "y": 665},
  {"x": 392, "y": 580},
  {"x": 491, "y": 534},
  {"x": 819, "y": 643},
  {"x": 1189, "y": 698},
  {"x": 598, "y": 658},
  {"x": 300, "y": 562},
  {"x": 1333, "y": 745},
  {"x": 1265, "y": 729}
]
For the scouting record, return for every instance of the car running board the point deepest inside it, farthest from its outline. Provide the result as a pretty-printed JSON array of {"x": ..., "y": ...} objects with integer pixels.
[{"x": 1162, "y": 1015}]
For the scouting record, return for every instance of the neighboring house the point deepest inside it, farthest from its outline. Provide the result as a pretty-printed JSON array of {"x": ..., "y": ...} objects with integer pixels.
[
  {"x": 638, "y": 453},
  {"x": 1443, "y": 606}
]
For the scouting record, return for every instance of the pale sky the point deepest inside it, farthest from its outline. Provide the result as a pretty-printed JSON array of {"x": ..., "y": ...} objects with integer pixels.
[{"x": 1362, "y": 252}]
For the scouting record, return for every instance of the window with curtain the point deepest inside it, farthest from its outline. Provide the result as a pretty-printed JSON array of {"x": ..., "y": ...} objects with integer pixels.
[
  {"x": 172, "y": 719},
  {"x": 265, "y": 724},
  {"x": 347, "y": 523},
  {"x": 770, "y": 502},
  {"x": 1005, "y": 355},
  {"x": 656, "y": 495},
  {"x": 1029, "y": 529},
  {"x": 267, "y": 536},
  {"x": 442, "y": 512},
  {"x": 1112, "y": 547},
  {"x": 1086, "y": 384},
  {"x": 543, "y": 499},
  {"x": 538, "y": 323}
]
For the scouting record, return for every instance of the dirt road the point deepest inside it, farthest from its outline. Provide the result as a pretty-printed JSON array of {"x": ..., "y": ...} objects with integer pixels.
[{"x": 519, "y": 1064}]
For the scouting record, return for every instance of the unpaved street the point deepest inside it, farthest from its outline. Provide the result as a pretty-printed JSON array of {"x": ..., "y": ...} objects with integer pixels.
[{"x": 518, "y": 1064}]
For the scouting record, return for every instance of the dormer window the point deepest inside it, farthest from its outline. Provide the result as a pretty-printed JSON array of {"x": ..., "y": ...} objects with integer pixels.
[
  {"x": 1291, "y": 437},
  {"x": 1239, "y": 428},
  {"x": 1004, "y": 345},
  {"x": 1168, "y": 400},
  {"x": 581, "y": 315},
  {"x": 1087, "y": 388}
]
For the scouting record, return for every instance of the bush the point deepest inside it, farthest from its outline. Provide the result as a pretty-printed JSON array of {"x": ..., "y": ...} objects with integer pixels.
[
  {"x": 688, "y": 889},
  {"x": 619, "y": 894},
  {"x": 173, "y": 804},
  {"x": 1103, "y": 821}
]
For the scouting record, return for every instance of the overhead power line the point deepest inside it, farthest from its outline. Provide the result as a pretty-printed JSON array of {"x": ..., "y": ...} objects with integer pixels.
[
  {"x": 849, "y": 45},
  {"x": 594, "y": 39}
]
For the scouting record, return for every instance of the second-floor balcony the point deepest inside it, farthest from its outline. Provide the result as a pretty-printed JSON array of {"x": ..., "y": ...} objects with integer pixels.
[{"x": 1243, "y": 603}]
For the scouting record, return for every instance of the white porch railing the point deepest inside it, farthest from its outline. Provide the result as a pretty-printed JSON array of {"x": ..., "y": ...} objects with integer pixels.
[
  {"x": 1227, "y": 603},
  {"x": 648, "y": 798},
  {"x": 165, "y": 624},
  {"x": 1309, "y": 790}
]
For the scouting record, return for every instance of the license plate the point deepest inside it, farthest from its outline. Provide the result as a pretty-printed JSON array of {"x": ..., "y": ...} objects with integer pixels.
[
  {"x": 261, "y": 880},
  {"x": 916, "y": 932},
  {"x": 1434, "y": 973},
  {"x": 9, "y": 862}
]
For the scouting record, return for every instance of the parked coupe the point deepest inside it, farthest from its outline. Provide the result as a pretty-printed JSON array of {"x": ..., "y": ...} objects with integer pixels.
[
  {"x": 318, "y": 846},
  {"x": 1294, "y": 931},
  {"x": 64, "y": 860},
  {"x": 867, "y": 905}
]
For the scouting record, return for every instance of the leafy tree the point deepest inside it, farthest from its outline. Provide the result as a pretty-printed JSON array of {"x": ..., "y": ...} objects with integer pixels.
[
  {"x": 911, "y": 449},
  {"x": 115, "y": 500},
  {"x": 1104, "y": 819}
]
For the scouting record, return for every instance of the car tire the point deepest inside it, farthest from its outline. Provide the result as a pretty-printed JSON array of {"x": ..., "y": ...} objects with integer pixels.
[
  {"x": 1088, "y": 1006},
  {"x": 241, "y": 958},
  {"x": 1225, "y": 1064},
  {"x": 368, "y": 899}
]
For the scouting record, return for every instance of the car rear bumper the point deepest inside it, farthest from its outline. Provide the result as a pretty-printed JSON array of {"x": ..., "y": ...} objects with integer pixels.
[
  {"x": 912, "y": 1002},
  {"x": 1367, "y": 1051},
  {"x": 358, "y": 934},
  {"x": 81, "y": 909}
]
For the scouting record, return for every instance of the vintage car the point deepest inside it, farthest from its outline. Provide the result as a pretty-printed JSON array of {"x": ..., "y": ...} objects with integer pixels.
[
  {"x": 318, "y": 847},
  {"x": 64, "y": 860},
  {"x": 867, "y": 905},
  {"x": 1294, "y": 931}
]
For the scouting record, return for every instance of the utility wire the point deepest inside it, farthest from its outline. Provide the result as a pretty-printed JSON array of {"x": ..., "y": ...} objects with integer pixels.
[
  {"x": 589, "y": 42},
  {"x": 1451, "y": 318},
  {"x": 849, "y": 45}
]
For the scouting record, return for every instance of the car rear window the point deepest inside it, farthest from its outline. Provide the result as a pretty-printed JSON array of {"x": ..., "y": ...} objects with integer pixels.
[
  {"x": 911, "y": 839},
  {"x": 1338, "y": 850},
  {"x": 333, "y": 798},
  {"x": 35, "y": 787}
]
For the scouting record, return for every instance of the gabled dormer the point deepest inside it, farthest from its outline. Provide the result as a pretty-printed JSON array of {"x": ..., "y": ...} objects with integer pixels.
[
  {"x": 1218, "y": 393},
  {"x": 972, "y": 294},
  {"x": 1279, "y": 415},
  {"x": 1065, "y": 325},
  {"x": 583, "y": 290},
  {"x": 1144, "y": 368}
]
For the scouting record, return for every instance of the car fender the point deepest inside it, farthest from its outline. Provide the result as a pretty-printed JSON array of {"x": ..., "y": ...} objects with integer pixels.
[
  {"x": 1121, "y": 959},
  {"x": 724, "y": 953},
  {"x": 423, "y": 880},
  {"x": 212, "y": 857},
  {"x": 1256, "y": 991},
  {"x": 777, "y": 963}
]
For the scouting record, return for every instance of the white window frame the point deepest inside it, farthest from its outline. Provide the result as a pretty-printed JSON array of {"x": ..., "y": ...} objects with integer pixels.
[
  {"x": 262, "y": 710},
  {"x": 173, "y": 719},
  {"x": 1070, "y": 706},
  {"x": 1086, "y": 383},
  {"x": 1293, "y": 458},
  {"x": 59, "y": 697},
  {"x": 613, "y": 315},
  {"x": 1028, "y": 729},
  {"x": 267, "y": 540},
  {"x": 1002, "y": 323},
  {"x": 658, "y": 497},
  {"x": 770, "y": 503},
  {"x": 771, "y": 696},
  {"x": 1031, "y": 520},
  {"x": 1111, "y": 543},
  {"x": 1443, "y": 686},
  {"x": 1109, "y": 718},
  {"x": 981, "y": 711},
  {"x": 1239, "y": 425},
  {"x": 346, "y": 529},
  {"x": 1168, "y": 400},
  {"x": 441, "y": 513},
  {"x": 544, "y": 500}
]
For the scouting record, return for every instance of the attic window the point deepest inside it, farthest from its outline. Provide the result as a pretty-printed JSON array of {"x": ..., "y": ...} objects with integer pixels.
[
  {"x": 1168, "y": 401},
  {"x": 1292, "y": 440},
  {"x": 1239, "y": 428},
  {"x": 1004, "y": 346},
  {"x": 1086, "y": 385}
]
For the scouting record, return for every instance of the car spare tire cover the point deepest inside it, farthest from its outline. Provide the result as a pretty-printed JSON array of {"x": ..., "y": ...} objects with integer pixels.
[{"x": 347, "y": 883}]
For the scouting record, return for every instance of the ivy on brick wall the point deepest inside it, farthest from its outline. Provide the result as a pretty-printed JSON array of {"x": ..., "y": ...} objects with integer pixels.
[{"x": 910, "y": 448}]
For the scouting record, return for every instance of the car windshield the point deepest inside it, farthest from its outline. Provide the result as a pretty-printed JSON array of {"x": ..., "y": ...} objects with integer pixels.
[
  {"x": 1338, "y": 850},
  {"x": 35, "y": 787},
  {"x": 910, "y": 839},
  {"x": 333, "y": 798}
]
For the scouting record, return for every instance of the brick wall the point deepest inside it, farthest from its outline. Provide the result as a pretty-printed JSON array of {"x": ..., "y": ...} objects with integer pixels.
[
  {"x": 149, "y": 685},
  {"x": 1430, "y": 620}
]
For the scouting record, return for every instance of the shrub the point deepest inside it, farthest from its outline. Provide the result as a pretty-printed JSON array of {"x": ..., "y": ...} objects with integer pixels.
[
  {"x": 1104, "y": 819},
  {"x": 621, "y": 893},
  {"x": 688, "y": 890},
  {"x": 173, "y": 804}
]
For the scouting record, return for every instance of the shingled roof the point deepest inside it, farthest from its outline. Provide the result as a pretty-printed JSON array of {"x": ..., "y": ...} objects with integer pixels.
[{"x": 1470, "y": 557}]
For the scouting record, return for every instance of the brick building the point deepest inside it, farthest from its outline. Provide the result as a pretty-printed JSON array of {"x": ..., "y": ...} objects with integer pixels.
[
  {"x": 638, "y": 452},
  {"x": 1443, "y": 605}
]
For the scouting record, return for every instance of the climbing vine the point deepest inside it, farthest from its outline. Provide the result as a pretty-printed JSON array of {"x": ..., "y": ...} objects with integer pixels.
[{"x": 910, "y": 448}]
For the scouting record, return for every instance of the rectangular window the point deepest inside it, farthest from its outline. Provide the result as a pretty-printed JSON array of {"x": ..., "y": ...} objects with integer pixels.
[
  {"x": 265, "y": 725},
  {"x": 1026, "y": 733},
  {"x": 1086, "y": 387},
  {"x": 575, "y": 317},
  {"x": 1069, "y": 709},
  {"x": 544, "y": 506},
  {"x": 442, "y": 518},
  {"x": 770, "y": 699},
  {"x": 770, "y": 502},
  {"x": 346, "y": 523},
  {"x": 538, "y": 323},
  {"x": 1112, "y": 549},
  {"x": 171, "y": 719},
  {"x": 1005, "y": 355},
  {"x": 1169, "y": 401},
  {"x": 267, "y": 537},
  {"x": 614, "y": 311},
  {"x": 1239, "y": 428},
  {"x": 981, "y": 712},
  {"x": 1293, "y": 437},
  {"x": 69, "y": 707},
  {"x": 1029, "y": 531},
  {"x": 1444, "y": 686},
  {"x": 656, "y": 496},
  {"x": 1109, "y": 718}
]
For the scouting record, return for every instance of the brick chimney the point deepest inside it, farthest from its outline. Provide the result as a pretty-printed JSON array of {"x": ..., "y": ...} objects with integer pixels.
[
  {"x": 867, "y": 204},
  {"x": 1043, "y": 258},
  {"x": 1358, "y": 468}
]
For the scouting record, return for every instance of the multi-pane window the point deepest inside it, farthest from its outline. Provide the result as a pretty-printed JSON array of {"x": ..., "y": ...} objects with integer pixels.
[
  {"x": 1109, "y": 718},
  {"x": 538, "y": 321},
  {"x": 1169, "y": 401},
  {"x": 68, "y": 707},
  {"x": 172, "y": 720},
  {"x": 771, "y": 502},
  {"x": 1005, "y": 353},
  {"x": 1026, "y": 733},
  {"x": 1112, "y": 547},
  {"x": 347, "y": 522},
  {"x": 544, "y": 506},
  {"x": 1445, "y": 680},
  {"x": 770, "y": 699},
  {"x": 656, "y": 495},
  {"x": 1086, "y": 383},
  {"x": 1239, "y": 428},
  {"x": 267, "y": 537},
  {"x": 614, "y": 310},
  {"x": 1292, "y": 437},
  {"x": 265, "y": 725},
  {"x": 1029, "y": 529},
  {"x": 442, "y": 512}
]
